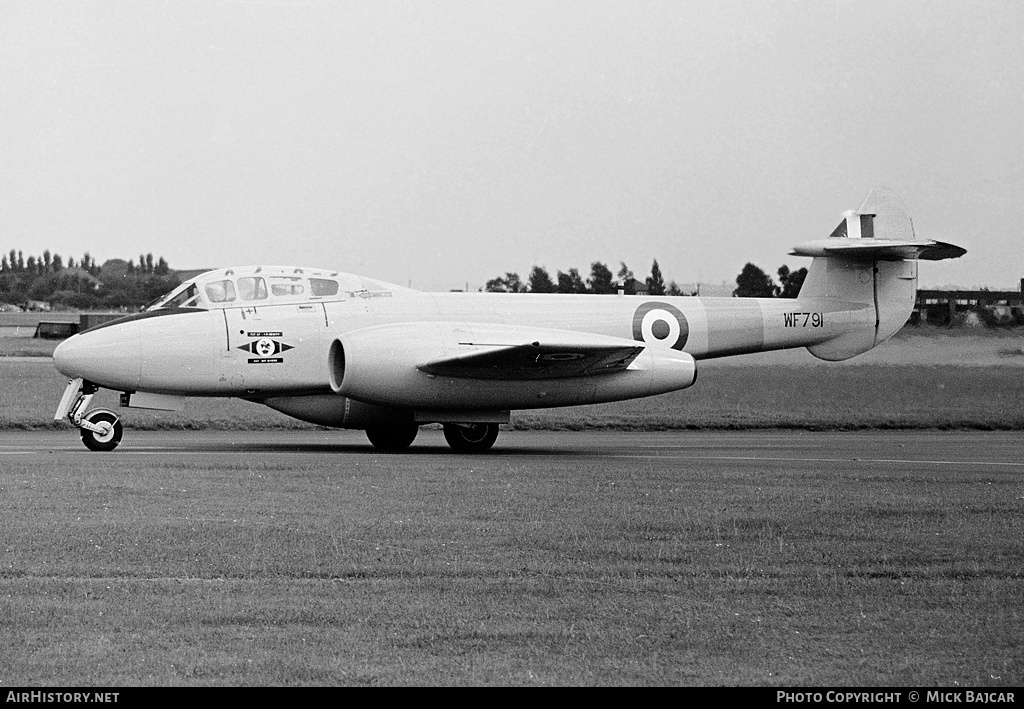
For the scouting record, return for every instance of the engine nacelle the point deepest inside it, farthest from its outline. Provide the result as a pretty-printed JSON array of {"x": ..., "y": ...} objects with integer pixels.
[{"x": 379, "y": 365}]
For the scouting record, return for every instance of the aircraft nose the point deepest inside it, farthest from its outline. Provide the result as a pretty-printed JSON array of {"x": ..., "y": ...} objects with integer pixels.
[{"x": 108, "y": 357}]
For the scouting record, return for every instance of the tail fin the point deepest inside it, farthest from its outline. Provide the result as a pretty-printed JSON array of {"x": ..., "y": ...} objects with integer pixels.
[{"x": 870, "y": 259}]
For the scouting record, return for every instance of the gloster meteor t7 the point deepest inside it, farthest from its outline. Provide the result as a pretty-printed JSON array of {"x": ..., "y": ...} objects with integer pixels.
[{"x": 350, "y": 352}]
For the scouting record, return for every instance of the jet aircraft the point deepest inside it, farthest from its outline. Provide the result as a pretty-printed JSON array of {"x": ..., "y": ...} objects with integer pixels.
[{"x": 344, "y": 351}]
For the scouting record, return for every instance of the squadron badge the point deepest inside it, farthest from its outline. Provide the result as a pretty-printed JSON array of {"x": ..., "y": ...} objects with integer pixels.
[{"x": 266, "y": 349}]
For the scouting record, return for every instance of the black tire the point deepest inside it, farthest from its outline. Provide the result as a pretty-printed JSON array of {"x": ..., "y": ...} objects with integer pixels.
[
  {"x": 472, "y": 437},
  {"x": 102, "y": 442},
  {"x": 392, "y": 438}
]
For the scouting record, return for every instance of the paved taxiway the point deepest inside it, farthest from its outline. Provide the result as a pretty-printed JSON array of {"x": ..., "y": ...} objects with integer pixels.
[
  {"x": 677, "y": 558},
  {"x": 862, "y": 450}
]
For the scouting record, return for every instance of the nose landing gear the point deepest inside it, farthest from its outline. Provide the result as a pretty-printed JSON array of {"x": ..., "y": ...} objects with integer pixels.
[
  {"x": 108, "y": 434},
  {"x": 101, "y": 429}
]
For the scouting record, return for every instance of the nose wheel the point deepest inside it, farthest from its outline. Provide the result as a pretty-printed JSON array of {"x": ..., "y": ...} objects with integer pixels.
[
  {"x": 104, "y": 433},
  {"x": 101, "y": 429}
]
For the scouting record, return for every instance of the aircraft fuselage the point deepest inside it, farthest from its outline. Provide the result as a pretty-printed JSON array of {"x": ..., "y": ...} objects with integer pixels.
[{"x": 281, "y": 348}]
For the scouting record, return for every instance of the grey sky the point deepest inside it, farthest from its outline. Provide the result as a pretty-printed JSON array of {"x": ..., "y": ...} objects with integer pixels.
[{"x": 444, "y": 143}]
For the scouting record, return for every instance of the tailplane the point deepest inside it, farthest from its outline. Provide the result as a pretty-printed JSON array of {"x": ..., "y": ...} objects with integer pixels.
[{"x": 869, "y": 262}]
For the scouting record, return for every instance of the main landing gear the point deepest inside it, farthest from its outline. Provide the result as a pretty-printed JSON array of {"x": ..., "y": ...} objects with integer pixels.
[
  {"x": 392, "y": 439},
  {"x": 471, "y": 437},
  {"x": 462, "y": 437},
  {"x": 101, "y": 429}
]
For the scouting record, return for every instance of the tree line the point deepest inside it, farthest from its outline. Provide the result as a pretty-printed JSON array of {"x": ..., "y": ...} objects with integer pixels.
[
  {"x": 755, "y": 283},
  {"x": 601, "y": 281},
  {"x": 83, "y": 284},
  {"x": 752, "y": 282},
  {"x": 120, "y": 284}
]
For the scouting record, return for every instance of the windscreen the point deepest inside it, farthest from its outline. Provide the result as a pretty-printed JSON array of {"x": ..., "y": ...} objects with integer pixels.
[{"x": 184, "y": 296}]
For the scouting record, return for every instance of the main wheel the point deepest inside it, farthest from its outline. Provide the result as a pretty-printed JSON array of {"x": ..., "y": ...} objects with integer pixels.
[
  {"x": 471, "y": 437},
  {"x": 392, "y": 438},
  {"x": 106, "y": 441}
]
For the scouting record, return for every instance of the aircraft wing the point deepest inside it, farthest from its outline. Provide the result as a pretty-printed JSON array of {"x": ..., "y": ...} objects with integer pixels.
[{"x": 535, "y": 360}]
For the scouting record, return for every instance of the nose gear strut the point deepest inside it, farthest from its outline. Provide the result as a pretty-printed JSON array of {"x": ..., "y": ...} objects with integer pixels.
[{"x": 101, "y": 429}]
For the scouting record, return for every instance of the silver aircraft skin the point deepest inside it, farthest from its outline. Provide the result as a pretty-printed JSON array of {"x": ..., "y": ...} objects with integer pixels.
[{"x": 340, "y": 350}]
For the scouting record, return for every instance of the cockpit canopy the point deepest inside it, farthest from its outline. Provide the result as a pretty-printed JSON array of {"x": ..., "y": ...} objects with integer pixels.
[{"x": 264, "y": 285}]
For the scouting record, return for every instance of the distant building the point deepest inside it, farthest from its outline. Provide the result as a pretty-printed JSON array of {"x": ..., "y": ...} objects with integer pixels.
[
  {"x": 711, "y": 290},
  {"x": 958, "y": 307},
  {"x": 632, "y": 286}
]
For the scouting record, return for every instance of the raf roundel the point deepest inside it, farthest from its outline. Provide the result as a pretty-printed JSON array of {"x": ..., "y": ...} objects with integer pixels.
[{"x": 660, "y": 323}]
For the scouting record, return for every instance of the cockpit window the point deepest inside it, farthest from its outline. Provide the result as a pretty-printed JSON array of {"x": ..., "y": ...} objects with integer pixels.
[
  {"x": 252, "y": 288},
  {"x": 286, "y": 286},
  {"x": 220, "y": 292},
  {"x": 321, "y": 287},
  {"x": 186, "y": 297},
  {"x": 246, "y": 289}
]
